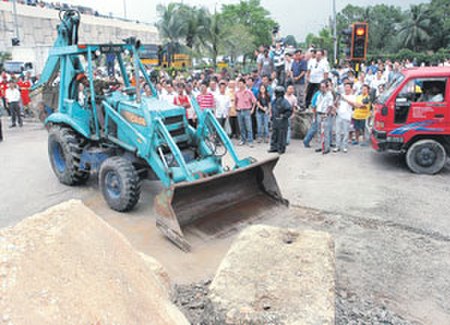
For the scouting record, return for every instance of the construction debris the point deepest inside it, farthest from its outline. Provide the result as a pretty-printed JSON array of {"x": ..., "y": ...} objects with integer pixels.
[{"x": 68, "y": 266}]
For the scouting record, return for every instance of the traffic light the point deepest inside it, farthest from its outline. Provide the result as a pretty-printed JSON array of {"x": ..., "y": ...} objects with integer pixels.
[
  {"x": 347, "y": 38},
  {"x": 360, "y": 37}
]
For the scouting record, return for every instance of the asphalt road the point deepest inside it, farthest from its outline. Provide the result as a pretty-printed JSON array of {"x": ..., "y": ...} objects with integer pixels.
[{"x": 392, "y": 227}]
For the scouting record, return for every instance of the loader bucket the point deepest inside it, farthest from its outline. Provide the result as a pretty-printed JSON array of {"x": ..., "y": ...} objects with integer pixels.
[{"x": 188, "y": 202}]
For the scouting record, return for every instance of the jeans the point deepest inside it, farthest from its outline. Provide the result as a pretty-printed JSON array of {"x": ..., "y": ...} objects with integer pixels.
[
  {"x": 245, "y": 125},
  {"x": 262, "y": 120},
  {"x": 281, "y": 75},
  {"x": 342, "y": 129},
  {"x": 312, "y": 131},
  {"x": 300, "y": 93},
  {"x": 234, "y": 127},
  {"x": 288, "y": 133},
  {"x": 326, "y": 126},
  {"x": 15, "y": 113}
]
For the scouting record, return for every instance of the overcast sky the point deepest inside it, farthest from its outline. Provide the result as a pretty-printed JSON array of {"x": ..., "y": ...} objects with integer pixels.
[{"x": 296, "y": 17}]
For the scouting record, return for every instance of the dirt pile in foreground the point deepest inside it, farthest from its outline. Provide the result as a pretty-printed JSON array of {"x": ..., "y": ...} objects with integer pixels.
[{"x": 67, "y": 266}]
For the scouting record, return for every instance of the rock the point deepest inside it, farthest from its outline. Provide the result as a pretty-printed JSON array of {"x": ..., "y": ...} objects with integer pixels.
[
  {"x": 275, "y": 276},
  {"x": 69, "y": 266},
  {"x": 156, "y": 269},
  {"x": 301, "y": 122}
]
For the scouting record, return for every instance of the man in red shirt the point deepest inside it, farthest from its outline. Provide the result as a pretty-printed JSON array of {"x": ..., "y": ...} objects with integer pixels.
[
  {"x": 24, "y": 85},
  {"x": 205, "y": 99},
  {"x": 183, "y": 101},
  {"x": 245, "y": 103},
  {"x": 3, "y": 87}
]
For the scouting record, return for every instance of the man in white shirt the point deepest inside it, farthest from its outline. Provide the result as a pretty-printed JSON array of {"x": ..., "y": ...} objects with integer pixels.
[
  {"x": 325, "y": 103},
  {"x": 377, "y": 82},
  {"x": 318, "y": 69},
  {"x": 12, "y": 95},
  {"x": 170, "y": 94},
  {"x": 223, "y": 104},
  {"x": 344, "y": 117}
]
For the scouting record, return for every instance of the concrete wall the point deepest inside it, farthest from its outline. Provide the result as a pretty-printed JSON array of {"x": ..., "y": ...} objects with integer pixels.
[{"x": 37, "y": 27}]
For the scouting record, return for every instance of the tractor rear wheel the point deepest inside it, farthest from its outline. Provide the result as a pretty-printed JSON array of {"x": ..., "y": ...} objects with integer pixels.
[
  {"x": 64, "y": 149},
  {"x": 426, "y": 157},
  {"x": 120, "y": 183}
]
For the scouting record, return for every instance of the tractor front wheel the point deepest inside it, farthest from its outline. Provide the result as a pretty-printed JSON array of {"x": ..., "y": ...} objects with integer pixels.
[
  {"x": 64, "y": 150},
  {"x": 426, "y": 157},
  {"x": 120, "y": 183}
]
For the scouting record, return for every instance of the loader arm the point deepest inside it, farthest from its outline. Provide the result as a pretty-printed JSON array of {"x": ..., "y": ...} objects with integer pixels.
[{"x": 67, "y": 35}]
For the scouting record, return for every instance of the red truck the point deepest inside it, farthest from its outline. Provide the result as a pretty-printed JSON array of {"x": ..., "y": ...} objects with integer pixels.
[{"x": 412, "y": 117}]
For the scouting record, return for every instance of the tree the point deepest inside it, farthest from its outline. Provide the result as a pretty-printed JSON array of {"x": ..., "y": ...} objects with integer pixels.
[
  {"x": 439, "y": 13},
  {"x": 214, "y": 35},
  {"x": 250, "y": 13},
  {"x": 237, "y": 41},
  {"x": 171, "y": 26},
  {"x": 195, "y": 22},
  {"x": 414, "y": 30},
  {"x": 290, "y": 40}
]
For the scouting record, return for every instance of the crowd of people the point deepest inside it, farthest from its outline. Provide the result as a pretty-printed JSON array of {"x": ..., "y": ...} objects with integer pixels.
[{"x": 259, "y": 106}]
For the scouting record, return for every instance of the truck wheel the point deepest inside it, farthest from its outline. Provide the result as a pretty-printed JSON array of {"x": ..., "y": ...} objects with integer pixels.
[
  {"x": 426, "y": 157},
  {"x": 64, "y": 150},
  {"x": 120, "y": 183}
]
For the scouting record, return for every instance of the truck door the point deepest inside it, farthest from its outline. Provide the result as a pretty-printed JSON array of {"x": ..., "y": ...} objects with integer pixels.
[{"x": 422, "y": 100}]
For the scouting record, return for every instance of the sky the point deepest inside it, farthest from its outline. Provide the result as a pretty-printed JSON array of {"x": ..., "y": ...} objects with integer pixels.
[{"x": 296, "y": 17}]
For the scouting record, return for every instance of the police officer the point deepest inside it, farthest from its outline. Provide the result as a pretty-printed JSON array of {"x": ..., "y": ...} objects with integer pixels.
[{"x": 281, "y": 111}]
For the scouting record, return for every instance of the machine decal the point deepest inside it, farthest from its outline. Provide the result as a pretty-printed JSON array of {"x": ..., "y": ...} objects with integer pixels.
[
  {"x": 133, "y": 118},
  {"x": 417, "y": 126}
]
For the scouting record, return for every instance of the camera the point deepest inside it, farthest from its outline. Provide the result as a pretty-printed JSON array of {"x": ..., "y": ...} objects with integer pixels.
[{"x": 276, "y": 29}]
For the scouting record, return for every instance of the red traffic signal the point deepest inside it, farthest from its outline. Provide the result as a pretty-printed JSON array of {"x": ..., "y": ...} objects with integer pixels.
[
  {"x": 360, "y": 31},
  {"x": 360, "y": 40}
]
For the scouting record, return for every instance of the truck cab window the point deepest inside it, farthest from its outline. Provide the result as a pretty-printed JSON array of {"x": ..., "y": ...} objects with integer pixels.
[{"x": 424, "y": 90}]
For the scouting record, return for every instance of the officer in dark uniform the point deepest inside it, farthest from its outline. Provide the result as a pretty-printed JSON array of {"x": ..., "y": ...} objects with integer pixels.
[{"x": 281, "y": 111}]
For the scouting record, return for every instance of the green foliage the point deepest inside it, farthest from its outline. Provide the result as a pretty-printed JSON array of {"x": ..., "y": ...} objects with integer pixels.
[
  {"x": 250, "y": 13},
  {"x": 238, "y": 40},
  {"x": 236, "y": 30},
  {"x": 421, "y": 28},
  {"x": 290, "y": 40}
]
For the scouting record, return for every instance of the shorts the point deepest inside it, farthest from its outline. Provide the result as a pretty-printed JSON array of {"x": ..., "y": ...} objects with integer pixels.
[{"x": 359, "y": 125}]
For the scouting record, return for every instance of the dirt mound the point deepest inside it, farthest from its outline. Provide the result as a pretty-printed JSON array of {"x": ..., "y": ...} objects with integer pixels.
[{"x": 68, "y": 266}]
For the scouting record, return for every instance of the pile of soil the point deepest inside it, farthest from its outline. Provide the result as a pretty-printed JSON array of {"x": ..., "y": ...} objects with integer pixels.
[{"x": 68, "y": 266}]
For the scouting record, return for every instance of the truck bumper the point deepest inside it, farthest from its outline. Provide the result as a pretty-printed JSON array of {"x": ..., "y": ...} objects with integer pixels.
[{"x": 381, "y": 142}]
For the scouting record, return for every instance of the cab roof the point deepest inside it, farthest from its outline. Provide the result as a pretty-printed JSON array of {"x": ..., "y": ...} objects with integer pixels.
[{"x": 427, "y": 72}]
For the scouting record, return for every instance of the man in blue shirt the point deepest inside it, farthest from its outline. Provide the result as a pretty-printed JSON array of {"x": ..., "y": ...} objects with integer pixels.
[{"x": 298, "y": 75}]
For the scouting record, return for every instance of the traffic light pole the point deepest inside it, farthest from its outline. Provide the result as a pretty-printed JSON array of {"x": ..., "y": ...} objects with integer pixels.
[
  {"x": 335, "y": 33},
  {"x": 16, "y": 24}
]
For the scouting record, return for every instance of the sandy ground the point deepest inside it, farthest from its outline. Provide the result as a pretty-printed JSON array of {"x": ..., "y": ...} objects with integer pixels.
[{"x": 392, "y": 228}]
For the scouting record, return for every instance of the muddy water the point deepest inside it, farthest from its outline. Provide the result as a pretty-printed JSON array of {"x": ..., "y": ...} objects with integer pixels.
[{"x": 210, "y": 238}]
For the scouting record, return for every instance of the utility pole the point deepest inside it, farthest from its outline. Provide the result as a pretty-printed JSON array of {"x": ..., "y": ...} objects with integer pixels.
[
  {"x": 16, "y": 24},
  {"x": 335, "y": 32},
  {"x": 125, "y": 9}
]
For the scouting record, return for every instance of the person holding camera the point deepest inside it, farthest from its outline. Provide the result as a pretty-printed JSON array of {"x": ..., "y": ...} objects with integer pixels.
[
  {"x": 361, "y": 113},
  {"x": 278, "y": 53},
  {"x": 281, "y": 112}
]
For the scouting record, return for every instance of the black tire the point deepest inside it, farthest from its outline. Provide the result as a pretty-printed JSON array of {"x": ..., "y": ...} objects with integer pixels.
[
  {"x": 426, "y": 157},
  {"x": 64, "y": 150},
  {"x": 120, "y": 184}
]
